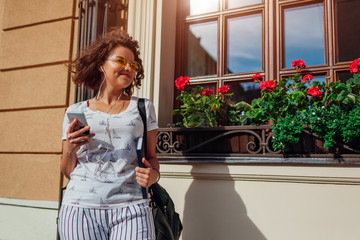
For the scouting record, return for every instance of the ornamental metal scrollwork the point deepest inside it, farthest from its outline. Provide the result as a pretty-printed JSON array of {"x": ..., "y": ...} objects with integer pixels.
[{"x": 165, "y": 143}]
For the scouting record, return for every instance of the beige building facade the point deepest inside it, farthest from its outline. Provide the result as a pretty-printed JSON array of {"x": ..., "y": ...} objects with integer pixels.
[{"x": 215, "y": 200}]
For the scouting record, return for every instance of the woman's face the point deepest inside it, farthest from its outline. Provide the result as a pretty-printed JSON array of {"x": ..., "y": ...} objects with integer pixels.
[{"x": 118, "y": 76}]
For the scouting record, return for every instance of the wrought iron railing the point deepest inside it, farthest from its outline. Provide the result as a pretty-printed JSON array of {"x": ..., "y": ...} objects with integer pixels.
[{"x": 245, "y": 144}]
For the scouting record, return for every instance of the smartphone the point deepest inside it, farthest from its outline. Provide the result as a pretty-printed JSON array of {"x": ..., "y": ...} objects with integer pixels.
[{"x": 81, "y": 121}]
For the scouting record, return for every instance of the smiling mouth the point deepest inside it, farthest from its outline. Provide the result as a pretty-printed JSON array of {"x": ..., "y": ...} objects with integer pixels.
[{"x": 125, "y": 74}]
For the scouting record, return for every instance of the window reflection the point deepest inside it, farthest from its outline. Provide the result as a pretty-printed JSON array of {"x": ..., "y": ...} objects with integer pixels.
[
  {"x": 205, "y": 86},
  {"x": 244, "y": 91},
  {"x": 202, "y": 49},
  {"x": 344, "y": 76},
  {"x": 304, "y": 34},
  {"x": 241, "y": 3},
  {"x": 244, "y": 53},
  {"x": 348, "y": 29},
  {"x": 321, "y": 78},
  {"x": 203, "y": 6},
  {"x": 318, "y": 78}
]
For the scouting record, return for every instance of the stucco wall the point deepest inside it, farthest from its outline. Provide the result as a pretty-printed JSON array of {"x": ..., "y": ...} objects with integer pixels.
[
  {"x": 37, "y": 39},
  {"x": 219, "y": 201}
]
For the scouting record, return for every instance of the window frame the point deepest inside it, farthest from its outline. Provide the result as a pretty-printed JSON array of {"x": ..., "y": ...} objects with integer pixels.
[{"x": 272, "y": 40}]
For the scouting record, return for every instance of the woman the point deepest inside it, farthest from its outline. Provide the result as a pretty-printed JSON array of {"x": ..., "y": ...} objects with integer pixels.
[{"x": 103, "y": 199}]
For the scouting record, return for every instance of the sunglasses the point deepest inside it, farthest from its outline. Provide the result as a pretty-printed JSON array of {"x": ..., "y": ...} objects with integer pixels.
[{"x": 122, "y": 62}]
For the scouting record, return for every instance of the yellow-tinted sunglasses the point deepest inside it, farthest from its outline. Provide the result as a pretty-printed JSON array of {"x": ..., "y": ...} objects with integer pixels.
[{"x": 122, "y": 62}]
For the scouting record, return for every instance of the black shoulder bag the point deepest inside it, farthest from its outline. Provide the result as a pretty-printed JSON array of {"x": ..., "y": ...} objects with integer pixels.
[{"x": 167, "y": 222}]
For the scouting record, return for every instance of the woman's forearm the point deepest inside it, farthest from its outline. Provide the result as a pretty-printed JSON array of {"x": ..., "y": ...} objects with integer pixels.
[{"x": 68, "y": 162}]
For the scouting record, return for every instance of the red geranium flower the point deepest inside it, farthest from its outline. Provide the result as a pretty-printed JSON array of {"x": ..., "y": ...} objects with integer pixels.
[
  {"x": 354, "y": 66},
  {"x": 181, "y": 82},
  {"x": 307, "y": 78},
  {"x": 224, "y": 89},
  {"x": 208, "y": 92},
  {"x": 257, "y": 77},
  {"x": 314, "y": 91},
  {"x": 298, "y": 64},
  {"x": 268, "y": 85}
]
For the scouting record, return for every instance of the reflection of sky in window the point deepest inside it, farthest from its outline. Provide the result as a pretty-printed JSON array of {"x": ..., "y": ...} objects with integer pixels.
[
  {"x": 244, "y": 44},
  {"x": 207, "y": 33},
  {"x": 250, "y": 86},
  {"x": 244, "y": 91},
  {"x": 320, "y": 78},
  {"x": 203, "y": 6},
  {"x": 304, "y": 34},
  {"x": 237, "y": 3}
]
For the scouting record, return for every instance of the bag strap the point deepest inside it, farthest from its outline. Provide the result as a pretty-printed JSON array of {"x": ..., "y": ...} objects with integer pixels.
[{"x": 142, "y": 111}]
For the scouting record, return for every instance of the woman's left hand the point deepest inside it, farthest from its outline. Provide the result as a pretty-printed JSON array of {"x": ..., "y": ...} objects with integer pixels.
[{"x": 146, "y": 176}]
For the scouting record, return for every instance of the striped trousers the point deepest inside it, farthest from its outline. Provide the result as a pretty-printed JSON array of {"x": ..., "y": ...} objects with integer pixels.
[{"x": 133, "y": 222}]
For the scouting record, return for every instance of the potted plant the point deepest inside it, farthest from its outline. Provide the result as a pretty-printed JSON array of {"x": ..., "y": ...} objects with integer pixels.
[
  {"x": 203, "y": 108},
  {"x": 210, "y": 121},
  {"x": 298, "y": 105}
]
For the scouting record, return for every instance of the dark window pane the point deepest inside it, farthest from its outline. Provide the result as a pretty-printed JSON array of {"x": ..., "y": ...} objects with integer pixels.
[
  {"x": 203, "y": 6},
  {"x": 344, "y": 76},
  {"x": 244, "y": 53},
  {"x": 244, "y": 91},
  {"x": 202, "y": 49},
  {"x": 348, "y": 29},
  {"x": 304, "y": 34},
  {"x": 241, "y": 3},
  {"x": 204, "y": 85}
]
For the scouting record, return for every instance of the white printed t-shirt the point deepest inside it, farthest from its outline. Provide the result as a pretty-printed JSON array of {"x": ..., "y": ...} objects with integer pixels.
[{"x": 105, "y": 173}]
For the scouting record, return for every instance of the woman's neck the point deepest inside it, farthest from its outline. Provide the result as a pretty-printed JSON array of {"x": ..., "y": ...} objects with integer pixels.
[{"x": 108, "y": 97}]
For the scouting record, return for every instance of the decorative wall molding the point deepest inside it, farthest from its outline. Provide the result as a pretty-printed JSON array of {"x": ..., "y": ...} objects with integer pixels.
[
  {"x": 13, "y": 202},
  {"x": 263, "y": 178}
]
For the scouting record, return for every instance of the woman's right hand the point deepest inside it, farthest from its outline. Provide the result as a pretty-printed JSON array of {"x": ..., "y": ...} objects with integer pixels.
[{"x": 75, "y": 139}]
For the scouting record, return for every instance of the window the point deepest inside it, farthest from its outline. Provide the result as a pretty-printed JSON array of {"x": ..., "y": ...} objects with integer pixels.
[
  {"x": 223, "y": 43},
  {"x": 227, "y": 41},
  {"x": 303, "y": 31},
  {"x": 96, "y": 18}
]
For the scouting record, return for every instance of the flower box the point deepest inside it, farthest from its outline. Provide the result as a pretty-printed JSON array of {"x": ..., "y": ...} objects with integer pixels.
[{"x": 245, "y": 144}]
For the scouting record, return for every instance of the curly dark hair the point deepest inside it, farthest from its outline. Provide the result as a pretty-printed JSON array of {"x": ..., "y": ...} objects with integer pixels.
[{"x": 86, "y": 66}]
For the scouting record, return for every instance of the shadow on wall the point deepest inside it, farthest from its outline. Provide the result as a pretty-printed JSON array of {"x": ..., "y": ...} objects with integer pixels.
[{"x": 214, "y": 211}]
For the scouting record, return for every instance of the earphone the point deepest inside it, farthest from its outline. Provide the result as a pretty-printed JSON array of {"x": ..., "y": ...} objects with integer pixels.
[{"x": 101, "y": 69}]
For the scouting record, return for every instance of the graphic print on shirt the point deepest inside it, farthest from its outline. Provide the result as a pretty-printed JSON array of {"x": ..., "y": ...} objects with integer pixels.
[
  {"x": 119, "y": 174},
  {"x": 131, "y": 124},
  {"x": 110, "y": 178},
  {"x": 116, "y": 191},
  {"x": 83, "y": 179},
  {"x": 102, "y": 123},
  {"x": 93, "y": 190},
  {"x": 126, "y": 148},
  {"x": 104, "y": 170},
  {"x": 111, "y": 158},
  {"x": 77, "y": 201},
  {"x": 115, "y": 135}
]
